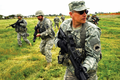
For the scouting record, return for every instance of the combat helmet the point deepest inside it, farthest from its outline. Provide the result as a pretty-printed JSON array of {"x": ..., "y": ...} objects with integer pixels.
[
  {"x": 93, "y": 14},
  {"x": 19, "y": 15},
  {"x": 39, "y": 12}
]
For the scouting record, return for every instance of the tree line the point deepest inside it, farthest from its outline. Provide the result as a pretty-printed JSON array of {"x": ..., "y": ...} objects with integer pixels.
[{"x": 14, "y": 16}]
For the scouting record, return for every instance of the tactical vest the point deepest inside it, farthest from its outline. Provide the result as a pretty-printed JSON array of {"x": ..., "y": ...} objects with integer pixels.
[
  {"x": 20, "y": 28},
  {"x": 82, "y": 38},
  {"x": 44, "y": 28},
  {"x": 56, "y": 20}
]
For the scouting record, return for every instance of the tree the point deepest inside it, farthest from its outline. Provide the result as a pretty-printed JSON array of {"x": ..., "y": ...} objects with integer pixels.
[
  {"x": 95, "y": 12},
  {"x": 1, "y": 16},
  {"x": 60, "y": 14},
  {"x": 12, "y": 16}
]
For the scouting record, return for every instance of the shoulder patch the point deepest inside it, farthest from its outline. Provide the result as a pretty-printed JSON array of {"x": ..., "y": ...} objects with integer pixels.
[{"x": 96, "y": 47}]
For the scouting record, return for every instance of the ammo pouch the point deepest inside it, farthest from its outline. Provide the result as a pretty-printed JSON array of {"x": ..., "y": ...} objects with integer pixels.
[
  {"x": 44, "y": 28},
  {"x": 60, "y": 59},
  {"x": 64, "y": 58},
  {"x": 20, "y": 29}
]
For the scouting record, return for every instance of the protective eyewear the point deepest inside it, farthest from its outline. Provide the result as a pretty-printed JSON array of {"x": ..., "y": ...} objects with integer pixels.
[{"x": 81, "y": 12}]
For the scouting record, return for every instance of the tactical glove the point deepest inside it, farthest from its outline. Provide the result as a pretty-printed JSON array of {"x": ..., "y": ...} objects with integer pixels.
[
  {"x": 62, "y": 45},
  {"x": 18, "y": 23}
]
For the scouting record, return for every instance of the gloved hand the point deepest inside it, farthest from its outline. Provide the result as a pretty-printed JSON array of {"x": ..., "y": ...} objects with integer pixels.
[
  {"x": 17, "y": 23},
  {"x": 62, "y": 45}
]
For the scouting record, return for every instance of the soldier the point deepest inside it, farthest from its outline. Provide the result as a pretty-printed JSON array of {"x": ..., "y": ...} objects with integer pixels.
[
  {"x": 88, "y": 16},
  {"x": 47, "y": 35},
  {"x": 86, "y": 37},
  {"x": 63, "y": 18},
  {"x": 20, "y": 28},
  {"x": 56, "y": 21},
  {"x": 97, "y": 19},
  {"x": 92, "y": 19}
]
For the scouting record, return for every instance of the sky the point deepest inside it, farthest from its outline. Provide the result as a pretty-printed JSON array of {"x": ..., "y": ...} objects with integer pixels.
[{"x": 29, "y": 7}]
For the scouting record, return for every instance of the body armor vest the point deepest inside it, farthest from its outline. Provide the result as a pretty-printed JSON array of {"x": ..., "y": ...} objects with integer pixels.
[{"x": 44, "y": 28}]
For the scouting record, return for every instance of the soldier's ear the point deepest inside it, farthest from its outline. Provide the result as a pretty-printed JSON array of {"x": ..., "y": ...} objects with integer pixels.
[{"x": 70, "y": 13}]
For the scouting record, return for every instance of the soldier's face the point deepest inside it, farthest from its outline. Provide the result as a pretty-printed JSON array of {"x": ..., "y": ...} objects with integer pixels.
[
  {"x": 40, "y": 18},
  {"x": 19, "y": 17},
  {"x": 79, "y": 17}
]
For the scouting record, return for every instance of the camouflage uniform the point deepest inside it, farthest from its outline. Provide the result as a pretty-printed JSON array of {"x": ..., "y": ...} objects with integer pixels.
[
  {"x": 91, "y": 19},
  {"x": 63, "y": 18},
  {"x": 47, "y": 35},
  {"x": 21, "y": 31},
  {"x": 91, "y": 50},
  {"x": 56, "y": 21},
  {"x": 88, "y": 17}
]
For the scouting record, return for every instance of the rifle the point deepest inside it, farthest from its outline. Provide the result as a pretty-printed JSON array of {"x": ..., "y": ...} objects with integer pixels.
[
  {"x": 11, "y": 25},
  {"x": 96, "y": 19},
  {"x": 35, "y": 33},
  {"x": 74, "y": 56}
]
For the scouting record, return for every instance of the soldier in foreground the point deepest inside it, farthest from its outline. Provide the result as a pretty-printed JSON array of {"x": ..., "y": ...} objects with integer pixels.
[
  {"x": 62, "y": 18},
  {"x": 56, "y": 21},
  {"x": 85, "y": 36},
  {"x": 20, "y": 28},
  {"x": 47, "y": 35}
]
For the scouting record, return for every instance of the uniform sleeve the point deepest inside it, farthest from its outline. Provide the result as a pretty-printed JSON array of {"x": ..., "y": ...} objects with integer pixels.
[
  {"x": 48, "y": 29},
  {"x": 92, "y": 48},
  {"x": 24, "y": 24}
]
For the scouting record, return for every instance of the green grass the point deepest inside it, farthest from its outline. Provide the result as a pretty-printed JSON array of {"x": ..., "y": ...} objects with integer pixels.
[{"x": 27, "y": 63}]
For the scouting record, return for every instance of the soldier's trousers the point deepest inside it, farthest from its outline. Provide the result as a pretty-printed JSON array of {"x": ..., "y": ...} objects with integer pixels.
[
  {"x": 24, "y": 35},
  {"x": 45, "y": 48},
  {"x": 70, "y": 76},
  {"x": 56, "y": 24}
]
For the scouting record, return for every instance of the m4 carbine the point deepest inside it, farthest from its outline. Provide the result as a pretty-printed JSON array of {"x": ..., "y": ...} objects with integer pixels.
[
  {"x": 35, "y": 33},
  {"x": 74, "y": 56},
  {"x": 11, "y": 25}
]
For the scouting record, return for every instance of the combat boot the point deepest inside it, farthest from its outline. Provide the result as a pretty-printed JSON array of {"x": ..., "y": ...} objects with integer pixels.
[
  {"x": 30, "y": 44},
  {"x": 48, "y": 66},
  {"x": 20, "y": 45}
]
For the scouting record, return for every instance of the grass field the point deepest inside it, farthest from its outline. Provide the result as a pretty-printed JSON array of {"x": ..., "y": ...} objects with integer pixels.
[{"x": 27, "y": 63}]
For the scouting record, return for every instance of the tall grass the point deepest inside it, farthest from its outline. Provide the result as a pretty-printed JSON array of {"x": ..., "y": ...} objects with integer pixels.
[{"x": 27, "y": 63}]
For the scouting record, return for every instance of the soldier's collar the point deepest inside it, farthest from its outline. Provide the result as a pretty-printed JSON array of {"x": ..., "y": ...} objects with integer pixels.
[{"x": 69, "y": 26}]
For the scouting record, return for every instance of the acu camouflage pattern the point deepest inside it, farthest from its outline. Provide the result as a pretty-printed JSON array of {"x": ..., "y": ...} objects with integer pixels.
[
  {"x": 22, "y": 31},
  {"x": 21, "y": 27},
  {"x": 70, "y": 76},
  {"x": 63, "y": 18},
  {"x": 24, "y": 35},
  {"x": 56, "y": 21},
  {"x": 47, "y": 38},
  {"x": 90, "y": 19},
  {"x": 45, "y": 48},
  {"x": 45, "y": 29},
  {"x": 77, "y": 6},
  {"x": 92, "y": 47},
  {"x": 19, "y": 15},
  {"x": 39, "y": 13}
]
